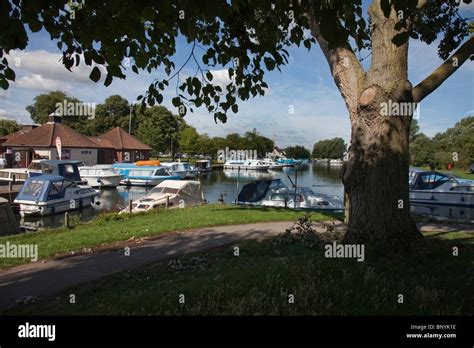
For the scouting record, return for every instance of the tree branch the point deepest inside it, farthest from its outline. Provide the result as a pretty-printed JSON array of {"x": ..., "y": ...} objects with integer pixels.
[
  {"x": 345, "y": 68},
  {"x": 438, "y": 76}
]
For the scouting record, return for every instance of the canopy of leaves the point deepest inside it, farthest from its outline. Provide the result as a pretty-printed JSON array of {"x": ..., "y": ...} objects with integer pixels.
[
  {"x": 439, "y": 150},
  {"x": 247, "y": 37},
  {"x": 8, "y": 127},
  {"x": 329, "y": 148},
  {"x": 298, "y": 152}
]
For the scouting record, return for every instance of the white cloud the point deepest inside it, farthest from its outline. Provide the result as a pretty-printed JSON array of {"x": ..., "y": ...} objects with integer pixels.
[{"x": 38, "y": 82}]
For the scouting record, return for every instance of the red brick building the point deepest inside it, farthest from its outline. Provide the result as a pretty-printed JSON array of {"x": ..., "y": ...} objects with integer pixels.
[{"x": 40, "y": 142}]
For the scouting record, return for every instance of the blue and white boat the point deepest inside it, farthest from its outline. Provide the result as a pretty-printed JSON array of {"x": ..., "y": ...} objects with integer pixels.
[
  {"x": 134, "y": 175},
  {"x": 183, "y": 169},
  {"x": 51, "y": 194},
  {"x": 435, "y": 188},
  {"x": 288, "y": 162}
]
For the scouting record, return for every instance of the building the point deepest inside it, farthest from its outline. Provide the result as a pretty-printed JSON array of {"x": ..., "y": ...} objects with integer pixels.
[
  {"x": 40, "y": 143},
  {"x": 126, "y": 148}
]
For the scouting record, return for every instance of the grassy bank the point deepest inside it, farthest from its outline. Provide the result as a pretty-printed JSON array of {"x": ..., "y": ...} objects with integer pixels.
[
  {"x": 110, "y": 228},
  {"x": 260, "y": 280},
  {"x": 462, "y": 173}
]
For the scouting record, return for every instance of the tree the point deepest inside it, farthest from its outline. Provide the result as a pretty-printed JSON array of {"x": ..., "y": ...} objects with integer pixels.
[
  {"x": 114, "y": 112},
  {"x": 160, "y": 129},
  {"x": 189, "y": 141},
  {"x": 414, "y": 129},
  {"x": 422, "y": 151},
  {"x": 299, "y": 152},
  {"x": 47, "y": 103},
  {"x": 329, "y": 148},
  {"x": 8, "y": 127},
  {"x": 250, "y": 36}
]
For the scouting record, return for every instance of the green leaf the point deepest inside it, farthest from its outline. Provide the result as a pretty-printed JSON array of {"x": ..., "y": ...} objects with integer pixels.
[
  {"x": 400, "y": 39},
  {"x": 176, "y": 101},
  {"x": 386, "y": 5},
  {"x": 95, "y": 74},
  {"x": 235, "y": 108},
  {"x": 108, "y": 80}
]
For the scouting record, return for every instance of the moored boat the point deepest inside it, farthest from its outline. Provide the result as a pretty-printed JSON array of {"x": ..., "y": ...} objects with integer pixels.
[
  {"x": 183, "y": 169},
  {"x": 134, "y": 175},
  {"x": 203, "y": 166},
  {"x": 435, "y": 188},
  {"x": 274, "y": 193},
  {"x": 102, "y": 175},
  {"x": 246, "y": 165},
  {"x": 51, "y": 194},
  {"x": 170, "y": 193}
]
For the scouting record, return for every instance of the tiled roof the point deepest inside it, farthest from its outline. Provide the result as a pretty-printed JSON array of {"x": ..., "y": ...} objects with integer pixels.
[
  {"x": 45, "y": 136},
  {"x": 121, "y": 140}
]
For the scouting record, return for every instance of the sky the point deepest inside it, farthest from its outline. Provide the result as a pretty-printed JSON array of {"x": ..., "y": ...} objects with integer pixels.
[{"x": 301, "y": 106}]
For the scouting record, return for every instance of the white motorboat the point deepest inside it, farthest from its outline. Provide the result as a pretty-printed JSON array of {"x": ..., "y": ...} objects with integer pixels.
[
  {"x": 101, "y": 175},
  {"x": 203, "y": 166},
  {"x": 336, "y": 162},
  {"x": 435, "y": 188},
  {"x": 51, "y": 194},
  {"x": 183, "y": 169},
  {"x": 246, "y": 165},
  {"x": 273, "y": 165},
  {"x": 21, "y": 174},
  {"x": 274, "y": 193},
  {"x": 171, "y": 193}
]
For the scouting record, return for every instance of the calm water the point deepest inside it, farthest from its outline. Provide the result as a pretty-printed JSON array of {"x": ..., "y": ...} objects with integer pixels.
[{"x": 320, "y": 178}]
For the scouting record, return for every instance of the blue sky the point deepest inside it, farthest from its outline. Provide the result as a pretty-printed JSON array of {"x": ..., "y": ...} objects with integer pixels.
[{"x": 304, "y": 85}]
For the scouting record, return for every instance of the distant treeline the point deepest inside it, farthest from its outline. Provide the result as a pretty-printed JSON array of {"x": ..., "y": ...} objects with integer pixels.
[{"x": 455, "y": 146}]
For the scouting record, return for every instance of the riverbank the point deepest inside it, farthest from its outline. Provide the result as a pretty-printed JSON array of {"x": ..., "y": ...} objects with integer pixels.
[
  {"x": 283, "y": 275},
  {"x": 111, "y": 228}
]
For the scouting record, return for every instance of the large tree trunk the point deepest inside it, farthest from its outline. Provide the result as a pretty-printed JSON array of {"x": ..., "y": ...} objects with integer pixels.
[{"x": 376, "y": 175}]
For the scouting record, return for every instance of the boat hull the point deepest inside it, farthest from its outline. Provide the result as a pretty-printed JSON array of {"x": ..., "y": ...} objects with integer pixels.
[
  {"x": 108, "y": 181},
  {"x": 55, "y": 207},
  {"x": 455, "y": 199}
]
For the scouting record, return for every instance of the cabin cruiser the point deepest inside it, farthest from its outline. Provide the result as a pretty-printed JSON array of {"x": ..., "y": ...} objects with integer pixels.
[
  {"x": 203, "y": 166},
  {"x": 51, "y": 194},
  {"x": 274, "y": 193},
  {"x": 435, "y": 188},
  {"x": 21, "y": 174},
  {"x": 273, "y": 165},
  {"x": 183, "y": 169},
  {"x": 246, "y": 165},
  {"x": 101, "y": 175},
  {"x": 134, "y": 175},
  {"x": 248, "y": 175},
  {"x": 174, "y": 193}
]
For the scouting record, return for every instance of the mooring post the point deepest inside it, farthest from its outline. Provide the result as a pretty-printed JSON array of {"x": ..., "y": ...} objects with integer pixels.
[
  {"x": 66, "y": 219},
  {"x": 129, "y": 205},
  {"x": 167, "y": 202}
]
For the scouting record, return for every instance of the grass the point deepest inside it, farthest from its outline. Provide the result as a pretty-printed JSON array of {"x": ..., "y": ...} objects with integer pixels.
[
  {"x": 462, "y": 173},
  {"x": 260, "y": 280},
  {"x": 112, "y": 227}
]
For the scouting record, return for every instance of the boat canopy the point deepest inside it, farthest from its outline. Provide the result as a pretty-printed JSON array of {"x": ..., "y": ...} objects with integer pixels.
[
  {"x": 66, "y": 169},
  {"x": 257, "y": 190},
  {"x": 42, "y": 188}
]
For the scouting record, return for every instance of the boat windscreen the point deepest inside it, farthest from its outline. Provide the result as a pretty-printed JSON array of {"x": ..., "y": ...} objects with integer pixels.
[
  {"x": 254, "y": 191},
  {"x": 165, "y": 190},
  {"x": 33, "y": 188}
]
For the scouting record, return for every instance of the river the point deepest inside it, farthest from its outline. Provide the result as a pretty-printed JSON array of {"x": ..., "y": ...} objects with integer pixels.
[{"x": 226, "y": 185}]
